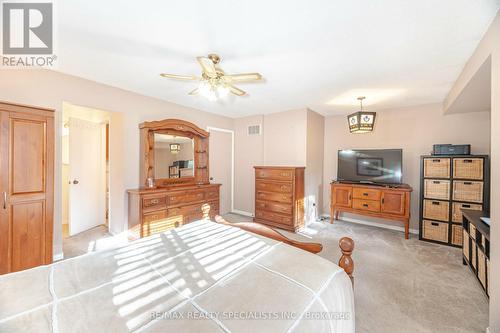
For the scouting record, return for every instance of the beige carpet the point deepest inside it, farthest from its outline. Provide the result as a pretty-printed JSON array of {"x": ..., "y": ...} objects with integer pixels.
[
  {"x": 400, "y": 285},
  {"x": 403, "y": 285}
]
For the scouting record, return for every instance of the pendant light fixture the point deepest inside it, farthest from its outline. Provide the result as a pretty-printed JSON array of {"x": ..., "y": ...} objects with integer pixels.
[
  {"x": 361, "y": 121},
  {"x": 175, "y": 148}
]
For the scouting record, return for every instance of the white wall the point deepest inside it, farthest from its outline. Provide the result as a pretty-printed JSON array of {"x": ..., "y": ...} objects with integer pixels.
[
  {"x": 314, "y": 165},
  {"x": 415, "y": 130},
  {"x": 289, "y": 138}
]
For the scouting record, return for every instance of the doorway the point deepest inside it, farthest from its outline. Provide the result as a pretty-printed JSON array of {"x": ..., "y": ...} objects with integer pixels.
[
  {"x": 221, "y": 165},
  {"x": 85, "y": 172}
]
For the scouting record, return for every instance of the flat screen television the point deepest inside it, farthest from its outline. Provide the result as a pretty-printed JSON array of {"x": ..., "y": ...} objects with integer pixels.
[{"x": 378, "y": 166}]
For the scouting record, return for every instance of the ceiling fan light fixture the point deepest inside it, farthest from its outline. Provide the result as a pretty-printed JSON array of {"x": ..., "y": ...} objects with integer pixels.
[{"x": 207, "y": 90}]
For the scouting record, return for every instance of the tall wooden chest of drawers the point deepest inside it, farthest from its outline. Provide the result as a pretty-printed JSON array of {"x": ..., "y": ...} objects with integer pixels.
[
  {"x": 448, "y": 185},
  {"x": 152, "y": 211},
  {"x": 279, "y": 197}
]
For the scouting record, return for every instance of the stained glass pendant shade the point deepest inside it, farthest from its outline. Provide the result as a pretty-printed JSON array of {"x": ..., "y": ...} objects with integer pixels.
[
  {"x": 361, "y": 121},
  {"x": 175, "y": 148}
]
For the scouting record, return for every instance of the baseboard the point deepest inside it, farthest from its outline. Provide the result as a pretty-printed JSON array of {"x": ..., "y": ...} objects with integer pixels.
[
  {"x": 375, "y": 224},
  {"x": 58, "y": 256},
  {"x": 241, "y": 212}
]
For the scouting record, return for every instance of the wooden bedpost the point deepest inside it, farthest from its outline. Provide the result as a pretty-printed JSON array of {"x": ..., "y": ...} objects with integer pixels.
[{"x": 347, "y": 246}]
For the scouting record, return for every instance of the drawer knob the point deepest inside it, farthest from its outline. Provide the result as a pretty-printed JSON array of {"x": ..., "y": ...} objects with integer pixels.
[
  {"x": 365, "y": 194},
  {"x": 365, "y": 205},
  {"x": 435, "y": 224},
  {"x": 155, "y": 201},
  {"x": 437, "y": 203},
  {"x": 285, "y": 174}
]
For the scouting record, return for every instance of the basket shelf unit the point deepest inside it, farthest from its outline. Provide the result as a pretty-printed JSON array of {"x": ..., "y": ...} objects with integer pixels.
[{"x": 448, "y": 184}]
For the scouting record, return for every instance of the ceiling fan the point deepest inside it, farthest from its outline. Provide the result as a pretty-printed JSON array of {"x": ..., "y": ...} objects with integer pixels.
[{"x": 214, "y": 83}]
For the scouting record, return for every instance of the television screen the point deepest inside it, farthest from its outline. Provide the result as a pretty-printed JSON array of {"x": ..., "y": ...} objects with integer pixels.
[{"x": 370, "y": 166}]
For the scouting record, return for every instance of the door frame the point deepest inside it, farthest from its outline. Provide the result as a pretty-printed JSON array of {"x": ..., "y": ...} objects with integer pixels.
[{"x": 211, "y": 128}]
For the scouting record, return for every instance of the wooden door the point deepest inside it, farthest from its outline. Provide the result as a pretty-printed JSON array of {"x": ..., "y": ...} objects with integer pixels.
[
  {"x": 27, "y": 144},
  {"x": 342, "y": 196},
  {"x": 393, "y": 202},
  {"x": 5, "y": 241}
]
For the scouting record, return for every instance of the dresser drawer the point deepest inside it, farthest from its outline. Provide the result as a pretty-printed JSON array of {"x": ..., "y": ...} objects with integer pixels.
[
  {"x": 436, "y": 210},
  {"x": 368, "y": 205},
  {"x": 158, "y": 215},
  {"x": 365, "y": 193},
  {"x": 152, "y": 202},
  {"x": 437, "y": 231},
  {"x": 465, "y": 244},
  {"x": 468, "y": 168},
  {"x": 149, "y": 228},
  {"x": 274, "y": 217},
  {"x": 276, "y": 174},
  {"x": 456, "y": 210},
  {"x": 185, "y": 197},
  {"x": 436, "y": 167},
  {"x": 212, "y": 195},
  {"x": 286, "y": 198},
  {"x": 273, "y": 187},
  {"x": 437, "y": 189},
  {"x": 274, "y": 207},
  {"x": 467, "y": 191}
]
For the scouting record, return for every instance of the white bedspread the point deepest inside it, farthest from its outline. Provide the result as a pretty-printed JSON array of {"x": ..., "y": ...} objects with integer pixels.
[{"x": 202, "y": 277}]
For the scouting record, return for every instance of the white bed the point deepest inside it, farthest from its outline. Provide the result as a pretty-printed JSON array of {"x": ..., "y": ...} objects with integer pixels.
[{"x": 202, "y": 277}]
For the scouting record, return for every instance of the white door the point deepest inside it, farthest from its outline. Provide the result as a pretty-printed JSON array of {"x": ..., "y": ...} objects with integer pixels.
[
  {"x": 86, "y": 168},
  {"x": 221, "y": 165}
]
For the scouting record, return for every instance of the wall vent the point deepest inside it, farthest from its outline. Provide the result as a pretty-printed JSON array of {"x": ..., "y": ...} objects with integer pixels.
[{"x": 254, "y": 130}]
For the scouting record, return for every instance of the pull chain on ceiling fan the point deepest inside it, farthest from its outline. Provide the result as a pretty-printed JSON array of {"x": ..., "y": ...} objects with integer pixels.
[{"x": 214, "y": 82}]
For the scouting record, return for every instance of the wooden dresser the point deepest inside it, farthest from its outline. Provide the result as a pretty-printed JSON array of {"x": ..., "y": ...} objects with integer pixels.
[
  {"x": 448, "y": 185},
  {"x": 173, "y": 201},
  {"x": 154, "y": 211},
  {"x": 392, "y": 203},
  {"x": 279, "y": 197}
]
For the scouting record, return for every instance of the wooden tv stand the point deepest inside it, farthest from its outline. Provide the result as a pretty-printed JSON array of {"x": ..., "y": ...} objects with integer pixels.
[{"x": 386, "y": 202}]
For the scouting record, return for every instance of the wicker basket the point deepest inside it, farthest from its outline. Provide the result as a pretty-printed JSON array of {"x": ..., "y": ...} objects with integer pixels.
[
  {"x": 436, "y": 167},
  {"x": 468, "y": 168},
  {"x": 437, "y": 189},
  {"x": 437, "y": 231},
  {"x": 467, "y": 191},
  {"x": 436, "y": 210},
  {"x": 456, "y": 210},
  {"x": 456, "y": 235},
  {"x": 465, "y": 245},
  {"x": 481, "y": 267},
  {"x": 472, "y": 231}
]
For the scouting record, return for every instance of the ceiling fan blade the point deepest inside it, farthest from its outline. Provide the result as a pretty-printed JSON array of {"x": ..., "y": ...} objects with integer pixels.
[
  {"x": 180, "y": 77},
  {"x": 208, "y": 66},
  {"x": 235, "y": 90},
  {"x": 194, "y": 92},
  {"x": 244, "y": 77}
]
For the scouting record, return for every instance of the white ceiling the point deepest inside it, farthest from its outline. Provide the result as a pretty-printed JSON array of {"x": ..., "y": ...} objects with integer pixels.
[{"x": 319, "y": 54}]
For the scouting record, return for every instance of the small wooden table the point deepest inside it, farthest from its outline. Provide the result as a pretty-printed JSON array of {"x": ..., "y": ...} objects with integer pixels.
[{"x": 476, "y": 246}]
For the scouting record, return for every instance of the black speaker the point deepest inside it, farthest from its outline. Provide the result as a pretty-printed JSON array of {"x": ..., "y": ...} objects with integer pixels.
[{"x": 448, "y": 149}]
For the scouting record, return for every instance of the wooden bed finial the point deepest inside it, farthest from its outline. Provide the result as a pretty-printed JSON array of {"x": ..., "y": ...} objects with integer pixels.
[{"x": 347, "y": 246}]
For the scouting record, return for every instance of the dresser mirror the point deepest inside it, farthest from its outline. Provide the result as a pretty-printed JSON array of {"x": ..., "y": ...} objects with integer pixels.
[
  {"x": 174, "y": 152},
  {"x": 174, "y": 156}
]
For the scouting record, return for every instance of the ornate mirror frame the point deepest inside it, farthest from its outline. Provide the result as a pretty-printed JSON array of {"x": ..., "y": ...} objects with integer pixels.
[{"x": 175, "y": 127}]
